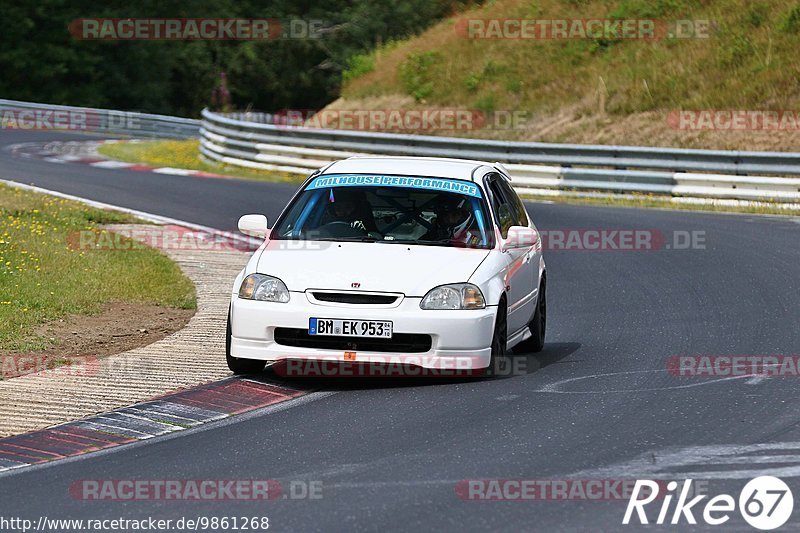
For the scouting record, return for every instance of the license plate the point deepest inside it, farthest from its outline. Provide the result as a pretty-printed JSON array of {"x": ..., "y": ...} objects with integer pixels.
[{"x": 350, "y": 328}]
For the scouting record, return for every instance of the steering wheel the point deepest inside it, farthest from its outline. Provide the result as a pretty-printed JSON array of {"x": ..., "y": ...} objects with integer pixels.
[{"x": 342, "y": 229}]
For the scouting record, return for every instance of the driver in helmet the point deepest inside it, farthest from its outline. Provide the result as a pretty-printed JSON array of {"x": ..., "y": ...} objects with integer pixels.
[
  {"x": 453, "y": 222},
  {"x": 347, "y": 207}
]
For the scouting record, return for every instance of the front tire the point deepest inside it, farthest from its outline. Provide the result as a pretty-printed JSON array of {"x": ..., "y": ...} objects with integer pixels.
[
  {"x": 538, "y": 325},
  {"x": 236, "y": 365},
  {"x": 499, "y": 339}
]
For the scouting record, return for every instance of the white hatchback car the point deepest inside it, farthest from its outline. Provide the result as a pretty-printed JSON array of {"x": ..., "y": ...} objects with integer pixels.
[{"x": 420, "y": 261}]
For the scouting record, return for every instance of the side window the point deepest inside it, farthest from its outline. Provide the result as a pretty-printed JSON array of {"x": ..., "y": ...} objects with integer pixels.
[
  {"x": 518, "y": 208},
  {"x": 503, "y": 209}
]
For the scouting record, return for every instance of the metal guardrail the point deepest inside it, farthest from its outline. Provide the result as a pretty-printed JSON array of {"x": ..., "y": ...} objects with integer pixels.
[
  {"x": 534, "y": 166},
  {"x": 31, "y": 116}
]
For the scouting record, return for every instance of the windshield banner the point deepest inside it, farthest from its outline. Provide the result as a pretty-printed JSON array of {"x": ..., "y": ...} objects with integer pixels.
[{"x": 356, "y": 180}]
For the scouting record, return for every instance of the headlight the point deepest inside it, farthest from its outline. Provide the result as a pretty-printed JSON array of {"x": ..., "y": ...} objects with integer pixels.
[
  {"x": 263, "y": 288},
  {"x": 455, "y": 296}
]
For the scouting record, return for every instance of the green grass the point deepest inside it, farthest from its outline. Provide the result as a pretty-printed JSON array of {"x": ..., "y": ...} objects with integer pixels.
[
  {"x": 43, "y": 277},
  {"x": 185, "y": 154}
]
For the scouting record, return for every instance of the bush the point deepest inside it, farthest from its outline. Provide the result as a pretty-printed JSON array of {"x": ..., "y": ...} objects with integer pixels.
[
  {"x": 415, "y": 74},
  {"x": 472, "y": 81},
  {"x": 358, "y": 65}
]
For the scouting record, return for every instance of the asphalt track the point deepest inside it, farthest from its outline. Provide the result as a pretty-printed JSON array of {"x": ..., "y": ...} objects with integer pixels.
[{"x": 598, "y": 403}]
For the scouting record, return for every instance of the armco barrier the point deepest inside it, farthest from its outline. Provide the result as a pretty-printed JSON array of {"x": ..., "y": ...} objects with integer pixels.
[
  {"x": 249, "y": 140},
  {"x": 534, "y": 166},
  {"x": 26, "y": 115}
]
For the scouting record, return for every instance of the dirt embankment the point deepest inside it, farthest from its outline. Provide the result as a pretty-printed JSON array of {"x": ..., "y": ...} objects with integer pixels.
[{"x": 583, "y": 124}]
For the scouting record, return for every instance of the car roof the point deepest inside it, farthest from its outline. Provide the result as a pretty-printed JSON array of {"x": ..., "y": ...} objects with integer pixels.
[{"x": 438, "y": 167}]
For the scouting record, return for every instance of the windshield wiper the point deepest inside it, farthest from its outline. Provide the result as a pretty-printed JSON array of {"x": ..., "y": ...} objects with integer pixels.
[
  {"x": 350, "y": 239},
  {"x": 414, "y": 241}
]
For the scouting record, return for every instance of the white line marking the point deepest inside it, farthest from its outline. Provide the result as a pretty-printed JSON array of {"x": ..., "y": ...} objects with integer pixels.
[
  {"x": 111, "y": 164},
  {"x": 8, "y": 464},
  {"x": 174, "y": 171},
  {"x": 552, "y": 388}
]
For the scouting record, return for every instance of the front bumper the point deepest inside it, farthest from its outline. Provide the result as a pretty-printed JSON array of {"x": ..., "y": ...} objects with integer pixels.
[{"x": 460, "y": 340}]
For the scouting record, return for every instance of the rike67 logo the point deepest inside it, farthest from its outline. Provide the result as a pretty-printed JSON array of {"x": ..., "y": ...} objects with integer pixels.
[{"x": 765, "y": 503}]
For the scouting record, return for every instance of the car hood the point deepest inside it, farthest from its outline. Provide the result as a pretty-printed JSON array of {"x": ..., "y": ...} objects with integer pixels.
[{"x": 409, "y": 269}]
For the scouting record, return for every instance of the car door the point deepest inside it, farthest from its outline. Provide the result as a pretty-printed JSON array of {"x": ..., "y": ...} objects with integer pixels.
[{"x": 521, "y": 274}]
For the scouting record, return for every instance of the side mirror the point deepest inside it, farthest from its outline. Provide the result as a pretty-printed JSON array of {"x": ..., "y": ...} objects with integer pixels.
[
  {"x": 520, "y": 237},
  {"x": 254, "y": 225}
]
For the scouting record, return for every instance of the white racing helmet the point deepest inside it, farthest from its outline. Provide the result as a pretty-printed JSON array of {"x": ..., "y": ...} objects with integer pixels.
[{"x": 460, "y": 205}]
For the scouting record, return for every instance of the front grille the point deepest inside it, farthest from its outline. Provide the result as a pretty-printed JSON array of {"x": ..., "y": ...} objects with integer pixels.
[
  {"x": 355, "y": 298},
  {"x": 400, "y": 342}
]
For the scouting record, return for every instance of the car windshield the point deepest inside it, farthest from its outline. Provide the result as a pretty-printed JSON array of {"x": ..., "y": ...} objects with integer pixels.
[{"x": 388, "y": 209}]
